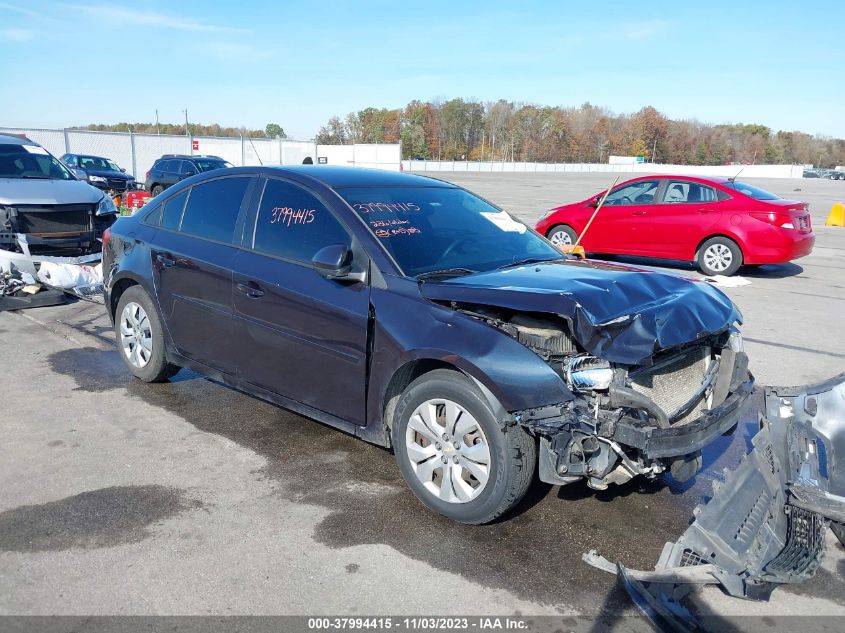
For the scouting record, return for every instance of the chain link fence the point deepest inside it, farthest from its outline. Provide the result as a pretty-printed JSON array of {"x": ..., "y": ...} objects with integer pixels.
[{"x": 136, "y": 153}]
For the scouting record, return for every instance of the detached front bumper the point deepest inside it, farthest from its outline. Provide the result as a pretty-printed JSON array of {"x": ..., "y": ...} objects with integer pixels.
[{"x": 765, "y": 524}]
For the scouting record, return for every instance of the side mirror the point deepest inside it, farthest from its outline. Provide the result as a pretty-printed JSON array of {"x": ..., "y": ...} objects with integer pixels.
[
  {"x": 335, "y": 262},
  {"x": 123, "y": 170},
  {"x": 593, "y": 203}
]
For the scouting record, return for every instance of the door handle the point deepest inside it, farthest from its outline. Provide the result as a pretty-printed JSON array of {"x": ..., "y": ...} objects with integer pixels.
[
  {"x": 639, "y": 212},
  {"x": 165, "y": 261},
  {"x": 705, "y": 210},
  {"x": 250, "y": 289}
]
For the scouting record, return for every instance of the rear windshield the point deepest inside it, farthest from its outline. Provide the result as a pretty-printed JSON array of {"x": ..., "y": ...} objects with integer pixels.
[
  {"x": 31, "y": 161},
  {"x": 752, "y": 191}
]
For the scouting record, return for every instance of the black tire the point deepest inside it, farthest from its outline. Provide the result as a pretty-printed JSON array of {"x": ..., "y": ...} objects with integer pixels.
[
  {"x": 562, "y": 230},
  {"x": 156, "y": 190},
  {"x": 719, "y": 243},
  {"x": 839, "y": 530},
  {"x": 156, "y": 369},
  {"x": 513, "y": 453}
]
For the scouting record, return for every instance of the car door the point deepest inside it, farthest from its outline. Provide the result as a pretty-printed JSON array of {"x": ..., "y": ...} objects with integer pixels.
[
  {"x": 192, "y": 255},
  {"x": 170, "y": 171},
  {"x": 613, "y": 230},
  {"x": 686, "y": 211},
  {"x": 300, "y": 335}
]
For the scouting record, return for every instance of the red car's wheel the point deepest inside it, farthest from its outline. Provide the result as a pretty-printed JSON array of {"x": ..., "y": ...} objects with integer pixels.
[
  {"x": 719, "y": 256},
  {"x": 562, "y": 235}
]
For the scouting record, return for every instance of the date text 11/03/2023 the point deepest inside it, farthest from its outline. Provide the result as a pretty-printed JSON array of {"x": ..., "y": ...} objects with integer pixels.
[{"x": 419, "y": 623}]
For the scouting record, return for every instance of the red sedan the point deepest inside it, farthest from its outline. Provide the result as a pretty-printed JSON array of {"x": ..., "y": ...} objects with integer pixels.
[{"x": 717, "y": 222}]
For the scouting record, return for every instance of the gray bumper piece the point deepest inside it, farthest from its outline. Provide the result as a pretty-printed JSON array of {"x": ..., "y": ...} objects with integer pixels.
[{"x": 765, "y": 524}]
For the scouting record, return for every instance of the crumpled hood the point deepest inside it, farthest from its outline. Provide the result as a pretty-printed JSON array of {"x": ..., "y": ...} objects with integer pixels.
[
  {"x": 620, "y": 313},
  {"x": 14, "y": 191}
]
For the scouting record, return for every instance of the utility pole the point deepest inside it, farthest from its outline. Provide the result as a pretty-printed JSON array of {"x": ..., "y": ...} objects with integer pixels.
[
  {"x": 158, "y": 131},
  {"x": 186, "y": 122}
]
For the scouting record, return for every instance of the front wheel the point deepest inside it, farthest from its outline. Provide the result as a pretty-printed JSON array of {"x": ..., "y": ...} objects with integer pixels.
[
  {"x": 719, "y": 256},
  {"x": 562, "y": 235},
  {"x": 453, "y": 453}
]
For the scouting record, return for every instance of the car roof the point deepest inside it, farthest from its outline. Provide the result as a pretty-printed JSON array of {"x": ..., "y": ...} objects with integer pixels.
[
  {"x": 721, "y": 180},
  {"x": 88, "y": 156},
  {"x": 339, "y": 176},
  {"x": 11, "y": 139}
]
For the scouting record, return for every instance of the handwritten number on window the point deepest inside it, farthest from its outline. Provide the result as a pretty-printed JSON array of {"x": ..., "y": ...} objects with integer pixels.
[{"x": 288, "y": 216}]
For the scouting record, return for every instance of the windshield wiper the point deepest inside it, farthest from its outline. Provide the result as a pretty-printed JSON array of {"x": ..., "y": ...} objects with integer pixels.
[
  {"x": 446, "y": 272},
  {"x": 527, "y": 260}
]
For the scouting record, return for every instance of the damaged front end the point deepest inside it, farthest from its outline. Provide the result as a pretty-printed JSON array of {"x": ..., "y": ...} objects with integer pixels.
[
  {"x": 652, "y": 364},
  {"x": 765, "y": 524},
  {"x": 625, "y": 420}
]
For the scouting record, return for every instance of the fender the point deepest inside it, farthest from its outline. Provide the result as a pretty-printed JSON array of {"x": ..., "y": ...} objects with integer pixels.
[{"x": 513, "y": 375}]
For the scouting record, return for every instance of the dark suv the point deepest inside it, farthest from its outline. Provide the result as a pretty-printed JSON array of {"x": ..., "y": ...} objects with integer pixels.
[
  {"x": 171, "y": 168},
  {"x": 415, "y": 315}
]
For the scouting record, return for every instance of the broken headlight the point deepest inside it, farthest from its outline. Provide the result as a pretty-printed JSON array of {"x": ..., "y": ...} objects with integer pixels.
[
  {"x": 735, "y": 341},
  {"x": 587, "y": 373},
  {"x": 106, "y": 206}
]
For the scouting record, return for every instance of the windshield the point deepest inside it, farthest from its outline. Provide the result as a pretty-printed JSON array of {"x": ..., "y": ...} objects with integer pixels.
[
  {"x": 95, "y": 162},
  {"x": 751, "y": 191},
  {"x": 206, "y": 164},
  {"x": 429, "y": 229},
  {"x": 31, "y": 161}
]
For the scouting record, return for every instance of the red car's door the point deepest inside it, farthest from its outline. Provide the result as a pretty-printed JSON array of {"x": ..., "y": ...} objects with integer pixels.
[
  {"x": 684, "y": 215},
  {"x": 614, "y": 229}
]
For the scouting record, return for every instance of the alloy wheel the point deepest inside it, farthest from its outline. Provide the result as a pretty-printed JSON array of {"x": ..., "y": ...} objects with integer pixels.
[
  {"x": 136, "y": 338},
  {"x": 718, "y": 257},
  {"x": 560, "y": 238},
  {"x": 448, "y": 451}
]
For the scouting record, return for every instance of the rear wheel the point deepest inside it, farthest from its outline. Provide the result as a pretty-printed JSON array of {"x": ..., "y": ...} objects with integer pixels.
[
  {"x": 157, "y": 189},
  {"x": 719, "y": 256},
  {"x": 562, "y": 235},
  {"x": 140, "y": 337},
  {"x": 453, "y": 453}
]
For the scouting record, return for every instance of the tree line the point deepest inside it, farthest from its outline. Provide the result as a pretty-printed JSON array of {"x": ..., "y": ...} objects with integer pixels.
[
  {"x": 507, "y": 131},
  {"x": 271, "y": 130}
]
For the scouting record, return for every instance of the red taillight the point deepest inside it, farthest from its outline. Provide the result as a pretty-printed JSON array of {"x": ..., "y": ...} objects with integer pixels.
[
  {"x": 782, "y": 220},
  {"x": 106, "y": 236}
]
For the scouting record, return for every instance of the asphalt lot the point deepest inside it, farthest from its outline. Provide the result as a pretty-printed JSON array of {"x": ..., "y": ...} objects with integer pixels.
[{"x": 118, "y": 497}]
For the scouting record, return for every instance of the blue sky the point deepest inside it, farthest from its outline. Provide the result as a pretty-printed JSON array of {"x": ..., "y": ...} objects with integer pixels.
[{"x": 67, "y": 63}]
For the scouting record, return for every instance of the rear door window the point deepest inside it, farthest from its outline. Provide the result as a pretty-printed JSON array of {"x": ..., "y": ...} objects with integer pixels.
[
  {"x": 293, "y": 224},
  {"x": 679, "y": 191},
  {"x": 171, "y": 212},
  {"x": 213, "y": 207}
]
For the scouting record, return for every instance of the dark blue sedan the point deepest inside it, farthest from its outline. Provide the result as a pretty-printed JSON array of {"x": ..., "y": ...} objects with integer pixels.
[{"x": 420, "y": 317}]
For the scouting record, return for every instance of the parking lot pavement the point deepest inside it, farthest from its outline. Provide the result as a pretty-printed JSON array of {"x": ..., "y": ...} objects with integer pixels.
[{"x": 187, "y": 497}]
